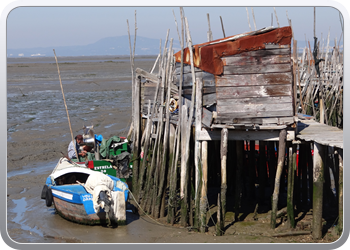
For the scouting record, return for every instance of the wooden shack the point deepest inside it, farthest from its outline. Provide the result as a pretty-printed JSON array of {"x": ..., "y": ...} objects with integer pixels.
[{"x": 247, "y": 78}]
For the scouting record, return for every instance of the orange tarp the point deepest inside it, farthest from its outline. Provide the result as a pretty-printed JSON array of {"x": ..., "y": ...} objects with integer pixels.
[{"x": 207, "y": 56}]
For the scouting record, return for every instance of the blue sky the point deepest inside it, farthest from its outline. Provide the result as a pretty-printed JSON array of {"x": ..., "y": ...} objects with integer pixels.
[{"x": 29, "y": 27}]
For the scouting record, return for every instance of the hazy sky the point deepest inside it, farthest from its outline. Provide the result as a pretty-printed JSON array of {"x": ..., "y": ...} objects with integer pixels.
[{"x": 29, "y": 27}]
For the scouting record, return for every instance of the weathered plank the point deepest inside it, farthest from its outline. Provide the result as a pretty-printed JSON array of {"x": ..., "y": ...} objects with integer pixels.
[
  {"x": 256, "y": 121},
  {"x": 263, "y": 52},
  {"x": 253, "y": 91},
  {"x": 253, "y": 79},
  {"x": 206, "y": 90},
  {"x": 254, "y": 110},
  {"x": 255, "y": 60},
  {"x": 209, "y": 99},
  {"x": 276, "y": 46},
  {"x": 255, "y": 101},
  {"x": 263, "y": 135},
  {"x": 256, "y": 69},
  {"x": 208, "y": 79},
  {"x": 250, "y": 114},
  {"x": 148, "y": 76},
  {"x": 260, "y": 107},
  {"x": 207, "y": 117}
]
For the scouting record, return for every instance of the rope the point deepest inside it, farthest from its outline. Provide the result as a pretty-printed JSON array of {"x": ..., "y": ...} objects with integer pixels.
[{"x": 144, "y": 213}]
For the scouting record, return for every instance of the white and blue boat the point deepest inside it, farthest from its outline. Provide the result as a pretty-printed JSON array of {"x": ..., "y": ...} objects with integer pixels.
[{"x": 86, "y": 196}]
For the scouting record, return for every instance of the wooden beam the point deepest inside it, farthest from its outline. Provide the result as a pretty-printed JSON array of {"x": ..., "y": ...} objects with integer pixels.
[
  {"x": 206, "y": 135},
  {"x": 275, "y": 121},
  {"x": 148, "y": 76}
]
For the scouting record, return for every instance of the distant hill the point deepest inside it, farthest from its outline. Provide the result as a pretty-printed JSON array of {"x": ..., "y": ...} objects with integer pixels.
[
  {"x": 106, "y": 46},
  {"x": 112, "y": 46}
]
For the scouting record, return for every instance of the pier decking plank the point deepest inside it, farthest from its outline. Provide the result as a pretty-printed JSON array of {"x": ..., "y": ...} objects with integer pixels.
[{"x": 310, "y": 130}]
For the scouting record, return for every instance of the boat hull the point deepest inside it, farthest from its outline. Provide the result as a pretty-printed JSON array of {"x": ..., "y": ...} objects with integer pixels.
[{"x": 76, "y": 213}]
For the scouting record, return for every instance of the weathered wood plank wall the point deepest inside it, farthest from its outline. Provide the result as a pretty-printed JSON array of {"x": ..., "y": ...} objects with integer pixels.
[{"x": 255, "y": 84}]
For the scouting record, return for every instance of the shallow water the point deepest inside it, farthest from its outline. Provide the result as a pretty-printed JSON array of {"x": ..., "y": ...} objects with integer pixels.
[
  {"x": 33, "y": 169},
  {"x": 19, "y": 210}
]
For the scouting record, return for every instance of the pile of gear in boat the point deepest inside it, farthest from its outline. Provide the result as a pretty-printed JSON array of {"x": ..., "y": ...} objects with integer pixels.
[{"x": 114, "y": 150}]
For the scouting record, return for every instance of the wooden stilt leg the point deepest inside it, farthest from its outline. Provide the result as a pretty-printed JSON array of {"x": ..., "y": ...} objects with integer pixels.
[
  {"x": 281, "y": 154},
  {"x": 318, "y": 179},
  {"x": 223, "y": 151}
]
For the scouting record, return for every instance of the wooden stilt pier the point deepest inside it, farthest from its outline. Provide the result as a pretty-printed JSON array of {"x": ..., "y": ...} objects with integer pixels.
[{"x": 197, "y": 108}]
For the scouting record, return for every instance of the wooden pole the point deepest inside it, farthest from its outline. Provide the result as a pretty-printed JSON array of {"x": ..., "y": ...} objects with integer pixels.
[
  {"x": 204, "y": 199},
  {"x": 219, "y": 217},
  {"x": 137, "y": 127},
  {"x": 239, "y": 175},
  {"x": 209, "y": 34},
  {"x": 262, "y": 172},
  {"x": 295, "y": 64},
  {"x": 222, "y": 26},
  {"x": 198, "y": 128},
  {"x": 248, "y": 18},
  {"x": 184, "y": 168},
  {"x": 253, "y": 17},
  {"x": 252, "y": 172},
  {"x": 271, "y": 19},
  {"x": 65, "y": 105},
  {"x": 147, "y": 200},
  {"x": 132, "y": 54},
  {"x": 340, "y": 191},
  {"x": 281, "y": 154},
  {"x": 198, "y": 150},
  {"x": 166, "y": 134},
  {"x": 173, "y": 180},
  {"x": 278, "y": 24},
  {"x": 314, "y": 21},
  {"x": 146, "y": 145},
  {"x": 310, "y": 170},
  {"x": 272, "y": 164},
  {"x": 187, "y": 123},
  {"x": 290, "y": 203},
  {"x": 223, "y": 153},
  {"x": 318, "y": 180}
]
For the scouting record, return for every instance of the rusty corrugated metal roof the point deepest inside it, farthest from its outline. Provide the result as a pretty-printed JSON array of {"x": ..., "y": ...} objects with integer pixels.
[{"x": 207, "y": 56}]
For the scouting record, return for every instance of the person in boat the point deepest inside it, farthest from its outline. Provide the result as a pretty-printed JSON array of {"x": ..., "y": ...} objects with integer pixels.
[{"x": 71, "y": 150}]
